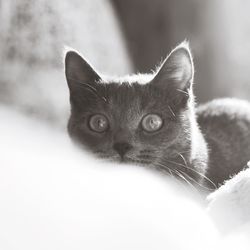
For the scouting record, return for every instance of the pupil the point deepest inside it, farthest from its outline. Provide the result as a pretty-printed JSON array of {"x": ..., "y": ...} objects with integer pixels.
[
  {"x": 153, "y": 123},
  {"x": 101, "y": 123}
]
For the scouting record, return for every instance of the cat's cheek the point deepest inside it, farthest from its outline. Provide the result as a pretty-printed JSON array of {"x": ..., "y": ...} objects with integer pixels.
[
  {"x": 171, "y": 135},
  {"x": 157, "y": 138}
]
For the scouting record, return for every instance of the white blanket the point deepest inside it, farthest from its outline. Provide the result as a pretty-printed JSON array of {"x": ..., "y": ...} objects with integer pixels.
[
  {"x": 53, "y": 196},
  {"x": 230, "y": 204}
]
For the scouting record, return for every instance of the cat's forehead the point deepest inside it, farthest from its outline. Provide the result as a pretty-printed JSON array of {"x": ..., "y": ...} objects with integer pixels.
[
  {"x": 125, "y": 100},
  {"x": 128, "y": 100},
  {"x": 126, "y": 91}
]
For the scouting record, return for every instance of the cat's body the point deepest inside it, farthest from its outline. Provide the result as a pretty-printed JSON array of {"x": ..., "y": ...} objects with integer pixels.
[
  {"x": 225, "y": 124},
  {"x": 152, "y": 120}
]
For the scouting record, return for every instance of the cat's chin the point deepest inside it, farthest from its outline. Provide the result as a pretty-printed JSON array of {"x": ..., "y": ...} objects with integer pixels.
[
  {"x": 130, "y": 160},
  {"x": 125, "y": 160},
  {"x": 135, "y": 161}
]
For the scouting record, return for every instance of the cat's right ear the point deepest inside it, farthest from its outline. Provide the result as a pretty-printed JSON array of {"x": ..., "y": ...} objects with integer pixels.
[
  {"x": 177, "y": 71},
  {"x": 78, "y": 71}
]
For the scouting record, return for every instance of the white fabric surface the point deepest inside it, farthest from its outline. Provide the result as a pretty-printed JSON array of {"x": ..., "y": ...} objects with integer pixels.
[{"x": 53, "y": 196}]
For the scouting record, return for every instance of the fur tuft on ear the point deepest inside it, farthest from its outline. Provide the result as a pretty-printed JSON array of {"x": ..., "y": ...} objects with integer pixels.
[
  {"x": 177, "y": 69},
  {"x": 78, "y": 70}
]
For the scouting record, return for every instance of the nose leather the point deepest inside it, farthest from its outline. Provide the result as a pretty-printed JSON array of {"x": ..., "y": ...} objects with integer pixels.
[{"x": 122, "y": 148}]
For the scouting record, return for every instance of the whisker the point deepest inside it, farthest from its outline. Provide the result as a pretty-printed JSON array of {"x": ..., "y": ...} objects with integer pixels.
[
  {"x": 86, "y": 84},
  {"x": 165, "y": 168},
  {"x": 196, "y": 182},
  {"x": 105, "y": 86},
  {"x": 172, "y": 112},
  {"x": 202, "y": 175},
  {"x": 183, "y": 158},
  {"x": 89, "y": 87},
  {"x": 182, "y": 91},
  {"x": 183, "y": 177},
  {"x": 177, "y": 174},
  {"x": 176, "y": 163},
  {"x": 182, "y": 152}
]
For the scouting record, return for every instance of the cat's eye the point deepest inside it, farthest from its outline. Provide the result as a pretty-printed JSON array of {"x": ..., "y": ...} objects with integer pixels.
[
  {"x": 98, "y": 123},
  {"x": 151, "y": 122}
]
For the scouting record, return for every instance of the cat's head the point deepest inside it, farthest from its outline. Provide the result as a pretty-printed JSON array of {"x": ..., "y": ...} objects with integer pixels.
[{"x": 141, "y": 118}]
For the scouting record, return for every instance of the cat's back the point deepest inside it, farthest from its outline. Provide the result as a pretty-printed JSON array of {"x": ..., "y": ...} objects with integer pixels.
[
  {"x": 225, "y": 124},
  {"x": 224, "y": 110}
]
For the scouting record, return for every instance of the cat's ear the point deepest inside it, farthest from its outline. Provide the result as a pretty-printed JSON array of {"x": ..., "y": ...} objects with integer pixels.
[
  {"x": 177, "y": 70},
  {"x": 78, "y": 71}
]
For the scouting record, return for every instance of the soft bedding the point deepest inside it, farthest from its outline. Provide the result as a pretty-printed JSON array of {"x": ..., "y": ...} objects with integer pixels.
[{"x": 53, "y": 196}]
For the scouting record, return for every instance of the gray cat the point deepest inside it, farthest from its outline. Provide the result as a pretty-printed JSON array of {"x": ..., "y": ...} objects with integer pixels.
[{"x": 152, "y": 120}]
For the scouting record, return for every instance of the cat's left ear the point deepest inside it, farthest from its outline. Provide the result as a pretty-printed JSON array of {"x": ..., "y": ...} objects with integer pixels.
[
  {"x": 177, "y": 70},
  {"x": 78, "y": 71}
]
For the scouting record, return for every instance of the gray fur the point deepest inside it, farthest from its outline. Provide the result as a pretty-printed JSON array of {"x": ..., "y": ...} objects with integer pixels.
[
  {"x": 202, "y": 146},
  {"x": 225, "y": 124}
]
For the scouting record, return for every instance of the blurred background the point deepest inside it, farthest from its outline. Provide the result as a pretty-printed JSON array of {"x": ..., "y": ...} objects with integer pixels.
[{"x": 118, "y": 37}]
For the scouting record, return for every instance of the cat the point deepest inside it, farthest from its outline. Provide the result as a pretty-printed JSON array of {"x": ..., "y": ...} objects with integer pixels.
[{"x": 152, "y": 119}]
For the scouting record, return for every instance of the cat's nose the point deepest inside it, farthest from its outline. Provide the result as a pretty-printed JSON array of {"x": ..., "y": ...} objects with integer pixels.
[{"x": 122, "y": 148}]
